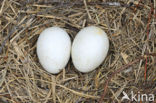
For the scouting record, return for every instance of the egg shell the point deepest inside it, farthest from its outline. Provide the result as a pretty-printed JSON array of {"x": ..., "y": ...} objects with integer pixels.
[
  {"x": 53, "y": 49},
  {"x": 89, "y": 48}
]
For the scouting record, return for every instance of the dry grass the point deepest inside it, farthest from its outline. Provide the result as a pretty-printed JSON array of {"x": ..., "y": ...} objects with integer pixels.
[{"x": 23, "y": 80}]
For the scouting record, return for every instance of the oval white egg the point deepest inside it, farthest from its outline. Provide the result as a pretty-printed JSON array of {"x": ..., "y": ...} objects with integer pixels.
[
  {"x": 53, "y": 49},
  {"x": 89, "y": 48}
]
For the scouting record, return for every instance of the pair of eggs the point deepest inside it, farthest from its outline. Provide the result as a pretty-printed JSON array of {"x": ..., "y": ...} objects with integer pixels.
[{"x": 88, "y": 49}]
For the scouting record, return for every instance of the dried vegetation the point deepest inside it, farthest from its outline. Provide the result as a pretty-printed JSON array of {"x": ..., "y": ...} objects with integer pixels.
[{"x": 131, "y": 28}]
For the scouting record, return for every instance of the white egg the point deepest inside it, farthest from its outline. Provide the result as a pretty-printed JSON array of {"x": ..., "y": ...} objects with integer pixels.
[
  {"x": 53, "y": 49},
  {"x": 89, "y": 48}
]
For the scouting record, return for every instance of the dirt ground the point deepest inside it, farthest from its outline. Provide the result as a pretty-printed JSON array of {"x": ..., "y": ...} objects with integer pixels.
[{"x": 130, "y": 65}]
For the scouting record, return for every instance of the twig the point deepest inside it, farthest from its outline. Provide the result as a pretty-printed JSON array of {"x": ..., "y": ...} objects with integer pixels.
[
  {"x": 149, "y": 21},
  {"x": 148, "y": 30},
  {"x": 145, "y": 73},
  {"x": 87, "y": 9},
  {"x": 121, "y": 69}
]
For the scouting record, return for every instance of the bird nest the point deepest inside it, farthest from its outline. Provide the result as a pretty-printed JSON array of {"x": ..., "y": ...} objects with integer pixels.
[{"x": 130, "y": 65}]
